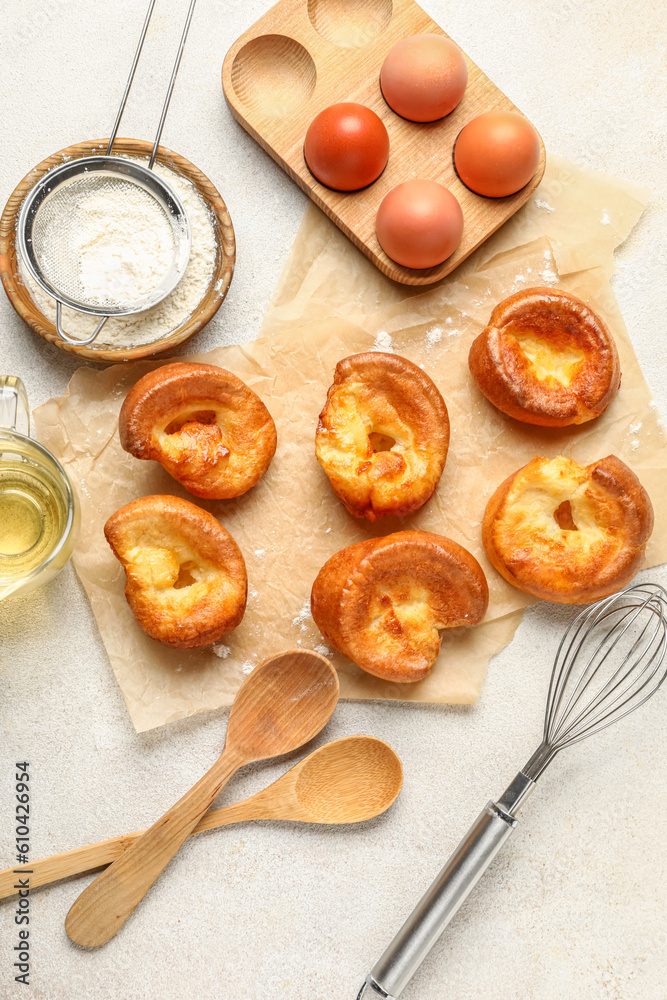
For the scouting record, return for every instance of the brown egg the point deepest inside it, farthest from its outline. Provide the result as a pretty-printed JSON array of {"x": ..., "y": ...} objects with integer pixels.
[
  {"x": 497, "y": 153},
  {"x": 419, "y": 224},
  {"x": 346, "y": 146},
  {"x": 424, "y": 77}
]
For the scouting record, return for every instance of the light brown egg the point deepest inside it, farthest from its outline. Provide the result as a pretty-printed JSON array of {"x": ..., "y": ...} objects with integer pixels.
[
  {"x": 346, "y": 146},
  {"x": 424, "y": 77},
  {"x": 497, "y": 153},
  {"x": 419, "y": 224}
]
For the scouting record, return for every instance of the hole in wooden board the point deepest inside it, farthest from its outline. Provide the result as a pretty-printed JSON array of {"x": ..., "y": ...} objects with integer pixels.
[
  {"x": 350, "y": 24},
  {"x": 273, "y": 75},
  {"x": 563, "y": 517},
  {"x": 381, "y": 442}
]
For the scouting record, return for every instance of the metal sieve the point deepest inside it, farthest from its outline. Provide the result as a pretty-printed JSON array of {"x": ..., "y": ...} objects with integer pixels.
[{"x": 49, "y": 224}]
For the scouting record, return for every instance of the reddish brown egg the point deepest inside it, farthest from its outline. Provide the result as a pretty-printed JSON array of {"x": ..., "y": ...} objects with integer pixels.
[
  {"x": 497, "y": 153},
  {"x": 419, "y": 224},
  {"x": 346, "y": 146},
  {"x": 424, "y": 77}
]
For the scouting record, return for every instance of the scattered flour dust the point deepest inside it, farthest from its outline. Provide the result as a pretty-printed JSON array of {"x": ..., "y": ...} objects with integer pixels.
[
  {"x": 303, "y": 616},
  {"x": 635, "y": 429},
  {"x": 220, "y": 650},
  {"x": 433, "y": 337},
  {"x": 383, "y": 342},
  {"x": 223, "y": 651},
  {"x": 303, "y": 620},
  {"x": 152, "y": 324},
  {"x": 549, "y": 276}
]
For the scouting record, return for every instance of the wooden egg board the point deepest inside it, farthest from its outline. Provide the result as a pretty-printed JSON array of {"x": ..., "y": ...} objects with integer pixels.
[{"x": 304, "y": 55}]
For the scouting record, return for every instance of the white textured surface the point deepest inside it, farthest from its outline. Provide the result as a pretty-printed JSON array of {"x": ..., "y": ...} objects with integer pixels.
[{"x": 576, "y": 906}]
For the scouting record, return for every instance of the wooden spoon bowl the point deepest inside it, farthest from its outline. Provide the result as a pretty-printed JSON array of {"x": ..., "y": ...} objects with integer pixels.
[
  {"x": 285, "y": 702},
  {"x": 348, "y": 781}
]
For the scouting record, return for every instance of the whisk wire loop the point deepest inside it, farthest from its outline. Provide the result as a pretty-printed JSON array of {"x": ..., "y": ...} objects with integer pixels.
[
  {"x": 563, "y": 664},
  {"x": 594, "y": 665},
  {"x": 609, "y": 662}
]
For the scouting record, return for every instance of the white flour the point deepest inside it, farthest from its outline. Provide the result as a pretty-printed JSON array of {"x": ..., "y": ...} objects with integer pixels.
[
  {"x": 383, "y": 342},
  {"x": 152, "y": 324},
  {"x": 124, "y": 245}
]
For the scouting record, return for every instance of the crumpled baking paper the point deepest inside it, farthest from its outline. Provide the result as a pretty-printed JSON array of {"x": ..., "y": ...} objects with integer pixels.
[{"x": 291, "y": 523}]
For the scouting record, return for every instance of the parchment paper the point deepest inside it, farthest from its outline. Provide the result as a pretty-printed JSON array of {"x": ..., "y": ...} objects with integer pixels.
[{"x": 290, "y": 523}]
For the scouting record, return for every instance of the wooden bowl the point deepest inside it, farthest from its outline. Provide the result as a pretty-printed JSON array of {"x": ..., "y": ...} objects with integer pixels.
[{"x": 20, "y": 296}]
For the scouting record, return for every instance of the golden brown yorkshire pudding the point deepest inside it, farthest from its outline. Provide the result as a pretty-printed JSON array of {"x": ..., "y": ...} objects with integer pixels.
[
  {"x": 382, "y": 602},
  {"x": 186, "y": 578},
  {"x": 203, "y": 424},
  {"x": 383, "y": 435},
  {"x": 546, "y": 358},
  {"x": 566, "y": 532}
]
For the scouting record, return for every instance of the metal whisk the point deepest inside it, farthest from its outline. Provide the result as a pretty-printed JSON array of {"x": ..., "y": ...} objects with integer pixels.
[{"x": 609, "y": 662}]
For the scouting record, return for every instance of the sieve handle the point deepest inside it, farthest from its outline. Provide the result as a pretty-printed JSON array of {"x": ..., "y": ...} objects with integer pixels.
[
  {"x": 170, "y": 88},
  {"x": 172, "y": 81},
  {"x": 75, "y": 340},
  {"x": 128, "y": 85}
]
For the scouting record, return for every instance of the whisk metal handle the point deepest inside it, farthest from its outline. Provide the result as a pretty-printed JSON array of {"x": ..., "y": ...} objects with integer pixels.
[{"x": 394, "y": 970}]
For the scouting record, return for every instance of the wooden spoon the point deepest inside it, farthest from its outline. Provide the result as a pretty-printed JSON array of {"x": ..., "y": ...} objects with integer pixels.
[
  {"x": 284, "y": 702},
  {"x": 346, "y": 781}
]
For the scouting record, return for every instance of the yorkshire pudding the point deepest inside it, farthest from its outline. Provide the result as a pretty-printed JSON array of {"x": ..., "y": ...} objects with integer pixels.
[
  {"x": 186, "y": 578},
  {"x": 207, "y": 428},
  {"x": 546, "y": 358},
  {"x": 383, "y": 435},
  {"x": 566, "y": 532},
  {"x": 381, "y": 602}
]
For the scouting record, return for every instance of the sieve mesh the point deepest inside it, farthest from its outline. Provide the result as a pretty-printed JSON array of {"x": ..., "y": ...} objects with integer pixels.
[{"x": 105, "y": 241}]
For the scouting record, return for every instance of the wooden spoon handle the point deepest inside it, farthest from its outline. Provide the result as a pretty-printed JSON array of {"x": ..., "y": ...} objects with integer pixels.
[
  {"x": 104, "y": 852},
  {"x": 102, "y": 908}
]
